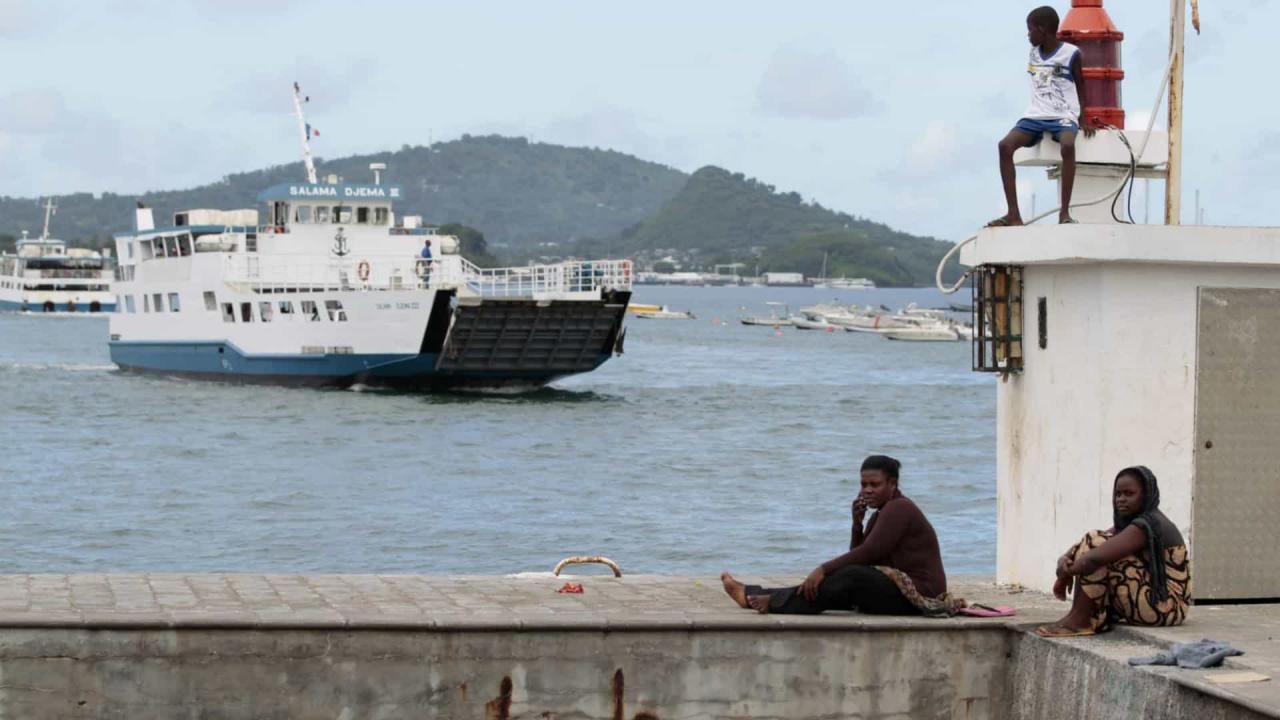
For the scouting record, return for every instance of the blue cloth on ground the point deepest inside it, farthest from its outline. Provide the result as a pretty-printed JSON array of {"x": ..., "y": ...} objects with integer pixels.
[
  {"x": 1202, "y": 654},
  {"x": 1037, "y": 128}
]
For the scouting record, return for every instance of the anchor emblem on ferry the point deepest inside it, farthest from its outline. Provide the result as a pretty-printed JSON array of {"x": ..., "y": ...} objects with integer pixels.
[{"x": 340, "y": 244}]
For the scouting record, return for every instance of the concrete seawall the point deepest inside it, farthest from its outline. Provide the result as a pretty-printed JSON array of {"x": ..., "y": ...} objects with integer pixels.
[{"x": 265, "y": 647}]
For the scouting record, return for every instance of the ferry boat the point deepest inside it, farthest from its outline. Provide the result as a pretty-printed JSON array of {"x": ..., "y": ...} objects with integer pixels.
[
  {"x": 43, "y": 275},
  {"x": 332, "y": 289}
]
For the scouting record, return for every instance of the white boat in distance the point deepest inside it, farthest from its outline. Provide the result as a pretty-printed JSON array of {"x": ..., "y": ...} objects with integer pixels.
[
  {"x": 802, "y": 322},
  {"x": 925, "y": 333},
  {"x": 842, "y": 283},
  {"x": 331, "y": 290},
  {"x": 779, "y": 316},
  {"x": 663, "y": 313},
  {"x": 43, "y": 275}
]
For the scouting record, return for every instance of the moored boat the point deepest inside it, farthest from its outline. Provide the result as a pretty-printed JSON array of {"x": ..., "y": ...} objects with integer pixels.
[
  {"x": 779, "y": 316},
  {"x": 664, "y": 313},
  {"x": 43, "y": 275}
]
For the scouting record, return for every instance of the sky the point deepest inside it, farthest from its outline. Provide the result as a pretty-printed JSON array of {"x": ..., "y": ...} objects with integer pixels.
[{"x": 887, "y": 110}]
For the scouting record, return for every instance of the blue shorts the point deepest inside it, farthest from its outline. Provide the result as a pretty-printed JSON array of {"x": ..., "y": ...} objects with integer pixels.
[{"x": 1037, "y": 128}]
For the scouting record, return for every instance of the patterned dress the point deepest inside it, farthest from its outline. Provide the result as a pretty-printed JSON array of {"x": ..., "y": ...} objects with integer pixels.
[{"x": 1122, "y": 591}]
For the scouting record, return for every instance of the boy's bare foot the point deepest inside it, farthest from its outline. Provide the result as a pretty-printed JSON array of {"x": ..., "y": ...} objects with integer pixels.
[
  {"x": 759, "y": 603},
  {"x": 1006, "y": 221},
  {"x": 1065, "y": 219},
  {"x": 734, "y": 589}
]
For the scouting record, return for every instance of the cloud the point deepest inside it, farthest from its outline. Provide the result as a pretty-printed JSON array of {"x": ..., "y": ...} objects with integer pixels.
[
  {"x": 269, "y": 92},
  {"x": 17, "y": 18},
  {"x": 255, "y": 7},
  {"x": 33, "y": 112},
  {"x": 614, "y": 128},
  {"x": 943, "y": 150},
  {"x": 816, "y": 85}
]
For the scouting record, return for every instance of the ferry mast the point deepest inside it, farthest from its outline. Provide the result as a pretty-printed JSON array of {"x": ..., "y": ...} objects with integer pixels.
[
  {"x": 304, "y": 132},
  {"x": 49, "y": 210}
]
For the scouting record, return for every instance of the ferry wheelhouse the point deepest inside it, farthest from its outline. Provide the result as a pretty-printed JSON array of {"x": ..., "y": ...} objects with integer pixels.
[
  {"x": 332, "y": 290},
  {"x": 43, "y": 275}
]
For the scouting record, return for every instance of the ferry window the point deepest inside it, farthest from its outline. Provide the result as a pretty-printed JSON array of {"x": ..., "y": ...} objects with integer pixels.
[
  {"x": 336, "y": 313},
  {"x": 146, "y": 303},
  {"x": 210, "y": 301},
  {"x": 171, "y": 247},
  {"x": 228, "y": 312},
  {"x": 322, "y": 214},
  {"x": 341, "y": 214},
  {"x": 286, "y": 307},
  {"x": 157, "y": 247},
  {"x": 264, "y": 311},
  {"x": 310, "y": 311},
  {"x": 184, "y": 245},
  {"x": 128, "y": 248},
  {"x": 157, "y": 302},
  {"x": 381, "y": 216},
  {"x": 302, "y": 214},
  {"x": 362, "y": 215},
  {"x": 129, "y": 305},
  {"x": 246, "y": 312},
  {"x": 251, "y": 243},
  {"x": 174, "y": 304}
]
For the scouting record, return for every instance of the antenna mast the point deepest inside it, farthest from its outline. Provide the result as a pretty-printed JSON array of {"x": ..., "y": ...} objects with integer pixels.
[
  {"x": 304, "y": 131},
  {"x": 49, "y": 210}
]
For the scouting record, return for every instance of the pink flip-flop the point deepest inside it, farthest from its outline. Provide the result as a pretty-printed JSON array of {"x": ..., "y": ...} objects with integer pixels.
[{"x": 988, "y": 611}]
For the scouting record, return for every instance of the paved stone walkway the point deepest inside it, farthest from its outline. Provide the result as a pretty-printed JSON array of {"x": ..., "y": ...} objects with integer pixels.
[{"x": 160, "y": 600}]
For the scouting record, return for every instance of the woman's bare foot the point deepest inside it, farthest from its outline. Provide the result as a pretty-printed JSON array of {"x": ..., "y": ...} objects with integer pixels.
[
  {"x": 759, "y": 603},
  {"x": 1066, "y": 627},
  {"x": 1073, "y": 623},
  {"x": 734, "y": 589}
]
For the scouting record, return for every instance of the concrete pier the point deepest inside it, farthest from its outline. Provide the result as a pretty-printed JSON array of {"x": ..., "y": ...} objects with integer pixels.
[{"x": 258, "y": 646}]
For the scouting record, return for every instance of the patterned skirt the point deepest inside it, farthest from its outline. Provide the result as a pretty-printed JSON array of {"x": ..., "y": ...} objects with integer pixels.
[
  {"x": 1122, "y": 591},
  {"x": 942, "y": 606}
]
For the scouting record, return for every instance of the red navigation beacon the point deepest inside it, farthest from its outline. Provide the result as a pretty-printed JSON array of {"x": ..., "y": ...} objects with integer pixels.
[{"x": 1089, "y": 27}]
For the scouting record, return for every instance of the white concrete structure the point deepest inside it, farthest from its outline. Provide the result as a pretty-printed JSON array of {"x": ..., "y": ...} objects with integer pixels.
[
  {"x": 1102, "y": 162},
  {"x": 1116, "y": 383}
]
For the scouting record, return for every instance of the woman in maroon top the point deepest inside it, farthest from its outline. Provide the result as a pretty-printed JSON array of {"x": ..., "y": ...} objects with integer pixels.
[{"x": 894, "y": 567}]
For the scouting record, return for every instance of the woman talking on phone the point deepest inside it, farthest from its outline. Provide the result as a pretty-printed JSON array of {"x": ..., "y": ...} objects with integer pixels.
[{"x": 894, "y": 567}]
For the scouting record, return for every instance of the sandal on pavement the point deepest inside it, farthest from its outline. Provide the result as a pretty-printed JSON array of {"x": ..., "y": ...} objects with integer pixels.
[{"x": 1058, "y": 631}]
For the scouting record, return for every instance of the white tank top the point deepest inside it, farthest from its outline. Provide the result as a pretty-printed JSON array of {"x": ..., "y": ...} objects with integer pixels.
[{"x": 1053, "y": 90}]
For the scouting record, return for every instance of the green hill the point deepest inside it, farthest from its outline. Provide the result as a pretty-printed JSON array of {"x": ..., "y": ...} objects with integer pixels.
[
  {"x": 722, "y": 217},
  {"x": 515, "y": 192}
]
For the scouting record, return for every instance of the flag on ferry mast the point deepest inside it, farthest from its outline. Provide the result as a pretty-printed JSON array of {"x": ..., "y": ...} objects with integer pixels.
[{"x": 312, "y": 132}]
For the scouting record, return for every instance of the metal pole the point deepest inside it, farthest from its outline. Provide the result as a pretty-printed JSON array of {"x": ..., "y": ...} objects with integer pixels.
[{"x": 1173, "y": 188}]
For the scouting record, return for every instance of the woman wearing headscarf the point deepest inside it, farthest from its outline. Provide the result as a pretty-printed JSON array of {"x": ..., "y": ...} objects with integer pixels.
[
  {"x": 1136, "y": 572},
  {"x": 894, "y": 567}
]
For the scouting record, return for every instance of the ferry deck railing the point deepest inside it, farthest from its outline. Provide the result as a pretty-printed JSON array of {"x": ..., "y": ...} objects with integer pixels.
[{"x": 283, "y": 273}]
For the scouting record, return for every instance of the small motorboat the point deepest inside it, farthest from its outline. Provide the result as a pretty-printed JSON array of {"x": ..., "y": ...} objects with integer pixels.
[
  {"x": 925, "y": 333},
  {"x": 779, "y": 316},
  {"x": 663, "y": 313},
  {"x": 805, "y": 321}
]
